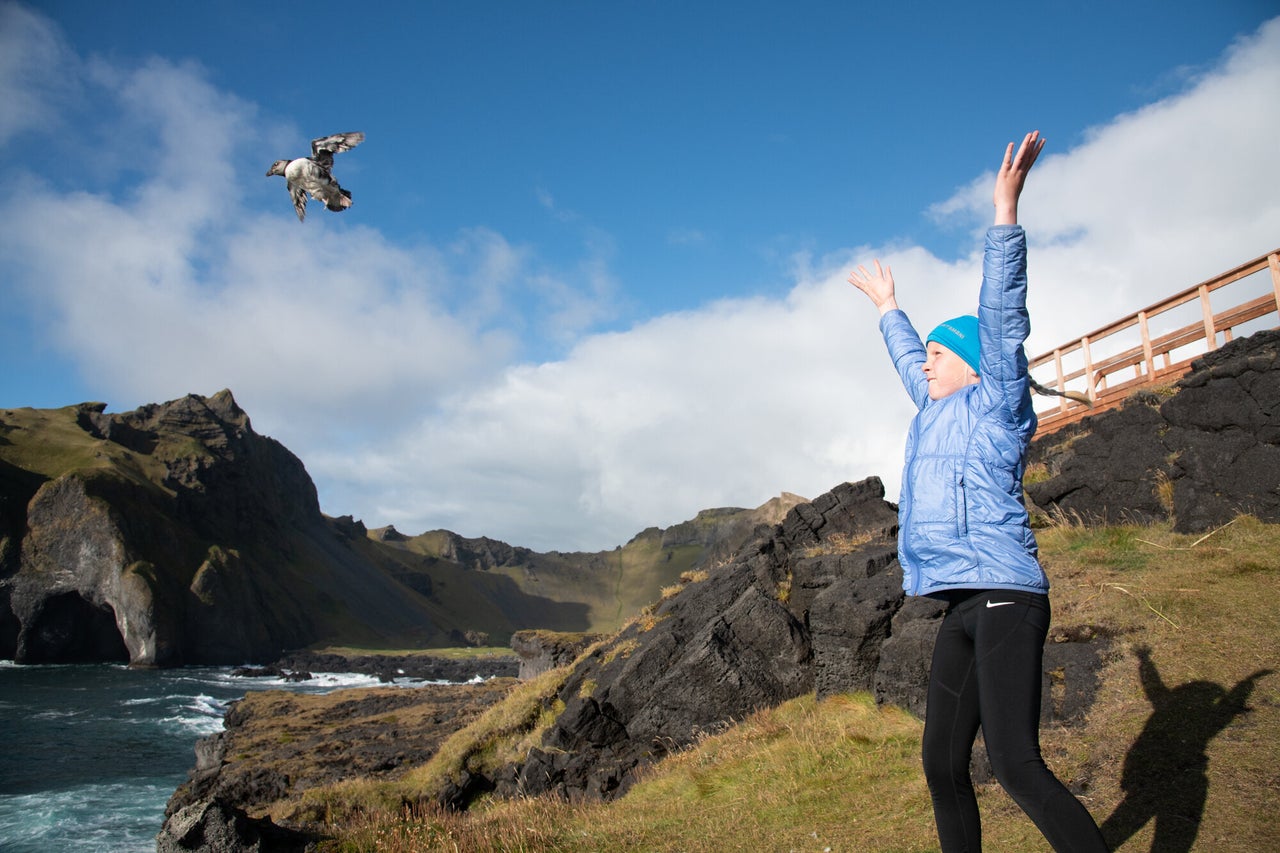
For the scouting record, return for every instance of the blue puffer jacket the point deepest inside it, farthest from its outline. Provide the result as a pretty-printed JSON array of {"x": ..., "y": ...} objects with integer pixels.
[{"x": 961, "y": 516}]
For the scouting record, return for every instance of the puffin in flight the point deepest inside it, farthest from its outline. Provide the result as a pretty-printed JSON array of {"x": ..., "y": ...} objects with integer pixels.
[{"x": 312, "y": 174}]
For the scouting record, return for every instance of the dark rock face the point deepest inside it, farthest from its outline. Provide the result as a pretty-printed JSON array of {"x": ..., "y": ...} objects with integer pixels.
[
  {"x": 113, "y": 561},
  {"x": 812, "y": 604},
  {"x": 216, "y": 826},
  {"x": 1199, "y": 456},
  {"x": 166, "y": 542},
  {"x": 175, "y": 534}
]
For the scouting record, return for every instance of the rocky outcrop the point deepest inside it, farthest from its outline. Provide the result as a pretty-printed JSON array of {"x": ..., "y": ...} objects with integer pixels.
[
  {"x": 812, "y": 604},
  {"x": 540, "y": 651},
  {"x": 216, "y": 826},
  {"x": 246, "y": 790},
  {"x": 1197, "y": 454}
]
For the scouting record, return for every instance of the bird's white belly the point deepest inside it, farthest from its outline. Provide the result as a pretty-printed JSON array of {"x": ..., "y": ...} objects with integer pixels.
[{"x": 305, "y": 174}]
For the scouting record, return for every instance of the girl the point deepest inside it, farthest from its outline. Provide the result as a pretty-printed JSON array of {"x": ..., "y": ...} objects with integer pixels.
[{"x": 964, "y": 535}]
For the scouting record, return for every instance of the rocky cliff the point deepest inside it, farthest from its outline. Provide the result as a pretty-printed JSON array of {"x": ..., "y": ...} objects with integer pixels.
[
  {"x": 175, "y": 534},
  {"x": 124, "y": 536}
]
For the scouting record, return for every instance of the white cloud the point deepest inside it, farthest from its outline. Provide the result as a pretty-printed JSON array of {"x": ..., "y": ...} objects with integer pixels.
[
  {"x": 36, "y": 71},
  {"x": 391, "y": 369},
  {"x": 727, "y": 405}
]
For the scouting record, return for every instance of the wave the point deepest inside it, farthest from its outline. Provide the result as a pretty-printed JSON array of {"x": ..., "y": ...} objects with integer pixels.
[
  {"x": 56, "y": 714},
  {"x": 95, "y": 751},
  {"x": 113, "y": 818},
  {"x": 201, "y": 715}
]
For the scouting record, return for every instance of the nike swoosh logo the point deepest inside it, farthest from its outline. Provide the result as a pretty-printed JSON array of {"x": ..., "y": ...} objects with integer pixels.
[{"x": 999, "y": 603}]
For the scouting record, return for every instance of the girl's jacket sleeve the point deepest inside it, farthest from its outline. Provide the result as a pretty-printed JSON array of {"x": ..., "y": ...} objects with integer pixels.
[
  {"x": 1003, "y": 326},
  {"x": 908, "y": 354}
]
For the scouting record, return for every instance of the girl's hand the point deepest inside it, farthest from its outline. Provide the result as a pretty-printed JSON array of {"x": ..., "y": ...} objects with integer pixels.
[
  {"x": 878, "y": 286},
  {"x": 1013, "y": 175}
]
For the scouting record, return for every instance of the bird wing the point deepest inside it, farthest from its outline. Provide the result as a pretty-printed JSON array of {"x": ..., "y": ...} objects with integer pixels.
[
  {"x": 337, "y": 143},
  {"x": 299, "y": 196}
]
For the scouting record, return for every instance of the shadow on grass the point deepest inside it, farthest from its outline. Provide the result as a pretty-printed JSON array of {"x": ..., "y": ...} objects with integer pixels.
[{"x": 1164, "y": 776}]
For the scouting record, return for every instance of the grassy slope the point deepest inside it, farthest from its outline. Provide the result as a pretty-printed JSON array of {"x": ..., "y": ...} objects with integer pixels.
[{"x": 843, "y": 775}]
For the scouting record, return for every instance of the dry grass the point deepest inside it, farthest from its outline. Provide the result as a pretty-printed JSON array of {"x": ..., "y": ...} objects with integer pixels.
[
  {"x": 839, "y": 543},
  {"x": 844, "y": 775},
  {"x": 1164, "y": 492},
  {"x": 503, "y": 733}
]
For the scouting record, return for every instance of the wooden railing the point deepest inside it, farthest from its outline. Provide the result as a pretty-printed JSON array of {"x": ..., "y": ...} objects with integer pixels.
[{"x": 1149, "y": 348}]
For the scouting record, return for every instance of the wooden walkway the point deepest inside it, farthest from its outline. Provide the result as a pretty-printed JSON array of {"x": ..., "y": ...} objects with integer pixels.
[{"x": 1112, "y": 362}]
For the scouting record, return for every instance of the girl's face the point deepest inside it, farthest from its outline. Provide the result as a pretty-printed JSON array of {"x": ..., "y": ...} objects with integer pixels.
[{"x": 946, "y": 371}]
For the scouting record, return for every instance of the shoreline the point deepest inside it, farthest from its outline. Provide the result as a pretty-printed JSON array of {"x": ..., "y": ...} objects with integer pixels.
[
  {"x": 388, "y": 667},
  {"x": 250, "y": 780}
]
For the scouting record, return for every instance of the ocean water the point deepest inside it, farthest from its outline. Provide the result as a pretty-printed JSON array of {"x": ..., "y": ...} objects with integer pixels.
[{"x": 90, "y": 754}]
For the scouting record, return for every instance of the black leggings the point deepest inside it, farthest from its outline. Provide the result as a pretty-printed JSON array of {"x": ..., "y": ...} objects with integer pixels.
[{"x": 986, "y": 672}]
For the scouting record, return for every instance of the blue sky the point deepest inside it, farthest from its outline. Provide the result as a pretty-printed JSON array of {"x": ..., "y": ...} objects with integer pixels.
[{"x": 593, "y": 279}]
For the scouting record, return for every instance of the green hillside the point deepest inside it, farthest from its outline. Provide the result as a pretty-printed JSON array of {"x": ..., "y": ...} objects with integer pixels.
[{"x": 612, "y": 585}]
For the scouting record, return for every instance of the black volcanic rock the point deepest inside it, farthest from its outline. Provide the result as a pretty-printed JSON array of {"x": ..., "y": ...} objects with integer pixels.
[
  {"x": 719, "y": 649},
  {"x": 216, "y": 826},
  {"x": 814, "y": 604},
  {"x": 1199, "y": 453}
]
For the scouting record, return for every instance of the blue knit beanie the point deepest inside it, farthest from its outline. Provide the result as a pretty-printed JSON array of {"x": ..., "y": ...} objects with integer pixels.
[{"x": 960, "y": 336}]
